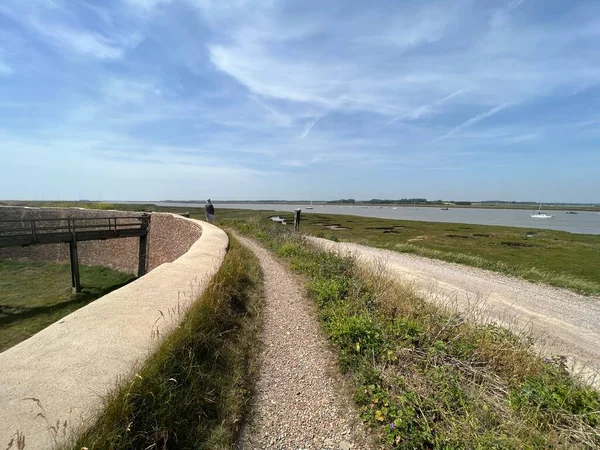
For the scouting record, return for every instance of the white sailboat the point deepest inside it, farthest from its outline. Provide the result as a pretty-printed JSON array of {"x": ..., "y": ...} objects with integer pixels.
[
  {"x": 540, "y": 215},
  {"x": 310, "y": 206}
]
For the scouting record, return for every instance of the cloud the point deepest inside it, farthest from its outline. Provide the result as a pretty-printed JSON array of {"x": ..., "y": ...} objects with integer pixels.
[
  {"x": 55, "y": 23},
  {"x": 128, "y": 91},
  {"x": 146, "y": 5},
  {"x": 244, "y": 84},
  {"x": 528, "y": 137},
  {"x": 514, "y": 4},
  {"x": 309, "y": 126},
  {"x": 587, "y": 123},
  {"x": 474, "y": 120},
  {"x": 276, "y": 116},
  {"x": 5, "y": 69},
  {"x": 85, "y": 43},
  {"x": 425, "y": 110}
]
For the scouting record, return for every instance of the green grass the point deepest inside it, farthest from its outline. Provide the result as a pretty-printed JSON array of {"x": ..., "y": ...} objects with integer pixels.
[
  {"x": 424, "y": 377},
  {"x": 557, "y": 258},
  {"x": 34, "y": 295},
  {"x": 194, "y": 391}
]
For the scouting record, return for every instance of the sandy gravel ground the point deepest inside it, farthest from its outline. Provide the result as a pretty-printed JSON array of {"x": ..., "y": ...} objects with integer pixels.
[
  {"x": 562, "y": 322},
  {"x": 301, "y": 401}
]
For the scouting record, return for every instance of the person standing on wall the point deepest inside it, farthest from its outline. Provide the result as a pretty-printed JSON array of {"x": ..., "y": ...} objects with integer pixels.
[
  {"x": 209, "y": 211},
  {"x": 297, "y": 219}
]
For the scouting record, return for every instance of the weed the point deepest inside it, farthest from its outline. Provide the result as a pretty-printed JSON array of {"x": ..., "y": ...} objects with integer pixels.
[
  {"x": 426, "y": 377},
  {"x": 194, "y": 391}
]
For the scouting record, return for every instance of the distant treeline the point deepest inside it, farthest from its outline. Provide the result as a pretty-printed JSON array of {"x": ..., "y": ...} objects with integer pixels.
[{"x": 401, "y": 201}]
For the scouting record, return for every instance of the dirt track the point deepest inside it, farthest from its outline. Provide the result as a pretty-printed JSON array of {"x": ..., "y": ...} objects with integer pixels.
[
  {"x": 300, "y": 402},
  {"x": 562, "y": 322}
]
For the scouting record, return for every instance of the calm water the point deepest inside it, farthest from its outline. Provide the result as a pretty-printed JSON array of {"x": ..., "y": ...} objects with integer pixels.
[{"x": 583, "y": 222}]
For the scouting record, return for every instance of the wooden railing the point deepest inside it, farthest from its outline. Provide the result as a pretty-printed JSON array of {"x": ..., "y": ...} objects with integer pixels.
[{"x": 25, "y": 232}]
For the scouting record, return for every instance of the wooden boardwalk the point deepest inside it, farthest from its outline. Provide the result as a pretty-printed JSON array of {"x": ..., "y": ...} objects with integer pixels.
[{"x": 25, "y": 232}]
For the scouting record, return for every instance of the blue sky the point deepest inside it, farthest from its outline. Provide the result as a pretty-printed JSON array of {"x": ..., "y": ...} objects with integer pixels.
[{"x": 185, "y": 99}]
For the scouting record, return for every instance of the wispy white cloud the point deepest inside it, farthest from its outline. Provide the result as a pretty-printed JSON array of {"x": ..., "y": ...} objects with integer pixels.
[
  {"x": 84, "y": 42},
  {"x": 587, "y": 123},
  {"x": 5, "y": 69},
  {"x": 128, "y": 91},
  {"x": 309, "y": 126},
  {"x": 514, "y": 4},
  {"x": 244, "y": 85},
  {"x": 55, "y": 24},
  {"x": 276, "y": 116},
  {"x": 425, "y": 110},
  {"x": 474, "y": 120},
  {"x": 528, "y": 137}
]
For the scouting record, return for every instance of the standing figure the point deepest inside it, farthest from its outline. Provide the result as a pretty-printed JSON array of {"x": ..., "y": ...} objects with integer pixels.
[
  {"x": 297, "y": 219},
  {"x": 209, "y": 211}
]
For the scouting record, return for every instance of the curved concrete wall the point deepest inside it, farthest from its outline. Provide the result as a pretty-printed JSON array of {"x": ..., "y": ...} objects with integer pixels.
[
  {"x": 71, "y": 364},
  {"x": 169, "y": 237}
]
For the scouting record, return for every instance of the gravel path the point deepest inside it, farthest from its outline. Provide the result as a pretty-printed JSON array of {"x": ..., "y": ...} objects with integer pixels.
[
  {"x": 561, "y": 321},
  {"x": 301, "y": 402}
]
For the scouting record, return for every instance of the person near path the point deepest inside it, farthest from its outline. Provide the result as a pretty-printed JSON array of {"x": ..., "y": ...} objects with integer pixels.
[
  {"x": 209, "y": 211},
  {"x": 297, "y": 219}
]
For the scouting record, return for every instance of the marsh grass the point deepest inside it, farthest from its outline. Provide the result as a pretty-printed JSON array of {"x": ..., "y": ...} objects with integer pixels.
[
  {"x": 425, "y": 376},
  {"x": 194, "y": 391},
  {"x": 557, "y": 258}
]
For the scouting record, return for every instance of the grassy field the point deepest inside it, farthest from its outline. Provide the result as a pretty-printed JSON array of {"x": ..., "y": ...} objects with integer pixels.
[
  {"x": 195, "y": 390},
  {"x": 426, "y": 378},
  {"x": 34, "y": 295},
  {"x": 555, "y": 257}
]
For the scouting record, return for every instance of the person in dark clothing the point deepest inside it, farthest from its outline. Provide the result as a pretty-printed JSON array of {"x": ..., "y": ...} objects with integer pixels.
[
  {"x": 297, "y": 219},
  {"x": 209, "y": 211}
]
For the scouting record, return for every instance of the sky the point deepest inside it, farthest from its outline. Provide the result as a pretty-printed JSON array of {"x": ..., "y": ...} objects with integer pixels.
[{"x": 189, "y": 99}]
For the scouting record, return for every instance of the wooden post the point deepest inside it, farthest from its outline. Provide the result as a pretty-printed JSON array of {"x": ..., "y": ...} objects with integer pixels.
[
  {"x": 75, "y": 280},
  {"x": 143, "y": 250}
]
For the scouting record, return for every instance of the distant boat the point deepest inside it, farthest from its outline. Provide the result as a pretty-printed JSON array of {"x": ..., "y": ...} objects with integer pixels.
[
  {"x": 540, "y": 215},
  {"x": 445, "y": 209},
  {"x": 310, "y": 206},
  {"x": 571, "y": 212}
]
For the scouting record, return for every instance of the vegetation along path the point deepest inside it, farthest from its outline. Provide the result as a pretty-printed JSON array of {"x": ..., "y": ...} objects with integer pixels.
[
  {"x": 300, "y": 401},
  {"x": 562, "y": 322}
]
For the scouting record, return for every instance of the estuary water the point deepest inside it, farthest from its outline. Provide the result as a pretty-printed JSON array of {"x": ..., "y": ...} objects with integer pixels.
[{"x": 585, "y": 222}]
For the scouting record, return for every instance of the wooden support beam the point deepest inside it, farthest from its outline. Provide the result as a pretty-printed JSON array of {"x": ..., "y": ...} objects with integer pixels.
[
  {"x": 75, "y": 279},
  {"x": 45, "y": 231},
  {"x": 143, "y": 249},
  {"x": 142, "y": 255}
]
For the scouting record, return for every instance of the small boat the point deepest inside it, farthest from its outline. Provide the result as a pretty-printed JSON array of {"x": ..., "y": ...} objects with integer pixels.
[
  {"x": 571, "y": 212},
  {"x": 310, "y": 206},
  {"x": 540, "y": 215},
  {"x": 445, "y": 209}
]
